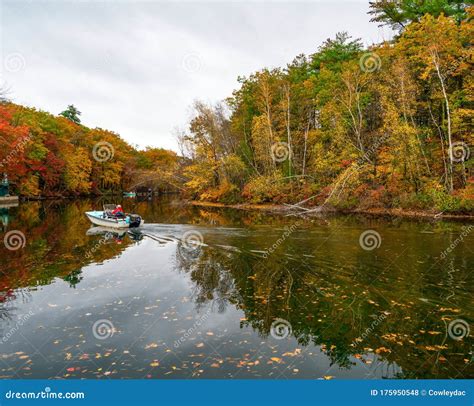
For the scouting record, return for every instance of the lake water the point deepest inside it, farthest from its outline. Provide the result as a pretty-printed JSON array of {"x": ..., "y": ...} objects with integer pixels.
[{"x": 219, "y": 293}]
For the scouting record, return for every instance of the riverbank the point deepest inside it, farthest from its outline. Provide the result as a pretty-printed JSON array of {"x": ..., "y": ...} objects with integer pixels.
[{"x": 276, "y": 208}]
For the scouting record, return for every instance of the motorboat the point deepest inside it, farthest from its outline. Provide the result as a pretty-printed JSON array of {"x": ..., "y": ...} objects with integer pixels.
[{"x": 105, "y": 218}]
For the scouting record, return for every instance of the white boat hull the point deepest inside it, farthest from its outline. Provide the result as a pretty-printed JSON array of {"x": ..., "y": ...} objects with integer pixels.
[{"x": 98, "y": 220}]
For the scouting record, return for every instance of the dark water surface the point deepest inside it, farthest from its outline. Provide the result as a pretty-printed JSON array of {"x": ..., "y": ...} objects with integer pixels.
[{"x": 261, "y": 297}]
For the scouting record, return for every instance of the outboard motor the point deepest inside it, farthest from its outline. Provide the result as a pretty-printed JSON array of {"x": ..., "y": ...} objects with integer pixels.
[{"x": 135, "y": 220}]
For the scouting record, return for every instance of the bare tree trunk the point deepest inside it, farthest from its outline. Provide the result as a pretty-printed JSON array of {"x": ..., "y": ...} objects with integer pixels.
[
  {"x": 448, "y": 112},
  {"x": 267, "y": 102},
  {"x": 442, "y": 146},
  {"x": 288, "y": 132},
  {"x": 306, "y": 144},
  {"x": 356, "y": 118}
]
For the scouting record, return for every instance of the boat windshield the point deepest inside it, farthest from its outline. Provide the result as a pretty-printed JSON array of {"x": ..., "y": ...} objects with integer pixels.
[{"x": 109, "y": 208}]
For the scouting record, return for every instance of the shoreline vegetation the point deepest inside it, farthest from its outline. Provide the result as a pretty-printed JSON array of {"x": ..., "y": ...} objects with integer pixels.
[
  {"x": 282, "y": 209},
  {"x": 386, "y": 129},
  {"x": 286, "y": 209}
]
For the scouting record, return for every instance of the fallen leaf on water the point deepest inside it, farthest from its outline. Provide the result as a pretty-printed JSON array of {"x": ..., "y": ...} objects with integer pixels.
[
  {"x": 276, "y": 359},
  {"x": 200, "y": 345},
  {"x": 154, "y": 364},
  {"x": 292, "y": 354},
  {"x": 435, "y": 347},
  {"x": 449, "y": 309}
]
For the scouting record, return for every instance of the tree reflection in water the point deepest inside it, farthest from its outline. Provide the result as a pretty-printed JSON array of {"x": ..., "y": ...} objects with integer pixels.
[{"x": 391, "y": 306}]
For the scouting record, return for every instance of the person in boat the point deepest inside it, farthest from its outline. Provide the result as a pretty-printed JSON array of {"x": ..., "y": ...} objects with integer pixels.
[{"x": 118, "y": 212}]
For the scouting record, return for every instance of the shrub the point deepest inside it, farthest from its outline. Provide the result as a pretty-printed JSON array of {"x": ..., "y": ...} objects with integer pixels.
[
  {"x": 226, "y": 192},
  {"x": 262, "y": 189}
]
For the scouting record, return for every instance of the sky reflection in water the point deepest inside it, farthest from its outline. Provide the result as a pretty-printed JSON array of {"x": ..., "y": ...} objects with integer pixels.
[{"x": 81, "y": 303}]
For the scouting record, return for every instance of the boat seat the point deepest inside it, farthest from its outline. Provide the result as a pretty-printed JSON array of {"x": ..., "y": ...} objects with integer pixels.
[{"x": 108, "y": 209}]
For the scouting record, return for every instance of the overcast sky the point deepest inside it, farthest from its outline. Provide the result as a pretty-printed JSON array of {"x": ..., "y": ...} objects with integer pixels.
[{"x": 135, "y": 67}]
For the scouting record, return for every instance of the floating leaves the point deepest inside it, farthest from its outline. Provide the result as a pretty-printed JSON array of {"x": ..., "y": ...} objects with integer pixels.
[{"x": 335, "y": 317}]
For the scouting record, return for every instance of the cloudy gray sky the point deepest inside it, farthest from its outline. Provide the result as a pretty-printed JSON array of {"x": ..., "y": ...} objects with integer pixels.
[{"x": 135, "y": 67}]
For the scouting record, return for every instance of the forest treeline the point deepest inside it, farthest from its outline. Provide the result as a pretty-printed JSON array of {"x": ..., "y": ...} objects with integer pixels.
[
  {"x": 348, "y": 127},
  {"x": 390, "y": 126},
  {"x": 47, "y": 156}
]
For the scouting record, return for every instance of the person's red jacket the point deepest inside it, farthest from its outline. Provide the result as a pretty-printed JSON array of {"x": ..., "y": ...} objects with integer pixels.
[{"x": 117, "y": 210}]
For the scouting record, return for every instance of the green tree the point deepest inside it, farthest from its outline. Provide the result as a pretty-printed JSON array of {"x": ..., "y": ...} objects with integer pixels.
[
  {"x": 399, "y": 13},
  {"x": 72, "y": 113}
]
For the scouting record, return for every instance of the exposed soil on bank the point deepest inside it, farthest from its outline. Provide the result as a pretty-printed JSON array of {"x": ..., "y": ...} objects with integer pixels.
[{"x": 277, "y": 208}]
